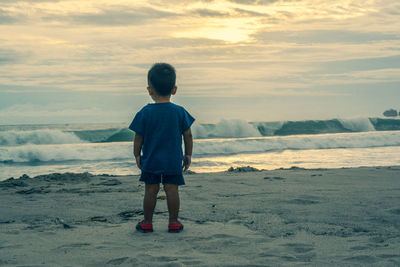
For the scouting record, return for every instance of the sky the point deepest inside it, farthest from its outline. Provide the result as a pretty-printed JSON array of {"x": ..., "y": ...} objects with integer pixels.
[{"x": 256, "y": 60}]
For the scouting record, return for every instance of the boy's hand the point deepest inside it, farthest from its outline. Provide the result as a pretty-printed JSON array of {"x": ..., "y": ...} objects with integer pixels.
[
  {"x": 186, "y": 162},
  {"x": 138, "y": 163},
  {"x": 137, "y": 147}
]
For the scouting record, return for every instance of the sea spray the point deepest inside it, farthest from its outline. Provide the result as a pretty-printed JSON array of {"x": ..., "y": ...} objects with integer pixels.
[
  {"x": 65, "y": 152},
  {"x": 43, "y": 136},
  {"x": 226, "y": 129},
  {"x": 358, "y": 124}
]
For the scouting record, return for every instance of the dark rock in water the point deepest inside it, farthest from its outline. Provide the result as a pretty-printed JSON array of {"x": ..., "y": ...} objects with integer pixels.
[
  {"x": 296, "y": 168},
  {"x": 24, "y": 176},
  {"x": 390, "y": 113},
  {"x": 11, "y": 182},
  {"x": 243, "y": 169},
  {"x": 111, "y": 182},
  {"x": 293, "y": 168}
]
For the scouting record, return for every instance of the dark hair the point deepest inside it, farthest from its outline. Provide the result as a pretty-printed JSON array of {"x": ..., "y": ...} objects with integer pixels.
[{"x": 161, "y": 77}]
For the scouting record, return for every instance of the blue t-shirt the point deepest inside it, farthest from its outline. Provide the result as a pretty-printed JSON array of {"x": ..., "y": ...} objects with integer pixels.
[{"x": 162, "y": 126}]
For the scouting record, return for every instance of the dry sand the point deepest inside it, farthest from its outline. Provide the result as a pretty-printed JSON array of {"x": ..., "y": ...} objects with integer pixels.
[{"x": 324, "y": 217}]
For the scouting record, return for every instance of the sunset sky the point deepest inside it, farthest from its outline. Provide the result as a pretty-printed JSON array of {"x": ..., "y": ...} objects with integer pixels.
[{"x": 255, "y": 60}]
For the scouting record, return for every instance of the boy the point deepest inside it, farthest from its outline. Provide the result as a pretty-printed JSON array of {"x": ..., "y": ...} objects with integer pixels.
[{"x": 159, "y": 128}]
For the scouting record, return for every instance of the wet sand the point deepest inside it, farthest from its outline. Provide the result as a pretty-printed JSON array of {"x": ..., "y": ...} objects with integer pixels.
[{"x": 302, "y": 217}]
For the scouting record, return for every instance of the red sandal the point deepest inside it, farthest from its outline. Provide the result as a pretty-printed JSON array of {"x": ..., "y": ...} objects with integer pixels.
[
  {"x": 144, "y": 227},
  {"x": 175, "y": 227}
]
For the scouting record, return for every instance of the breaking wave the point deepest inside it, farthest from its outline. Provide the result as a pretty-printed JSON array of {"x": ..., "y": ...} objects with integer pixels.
[
  {"x": 30, "y": 153},
  {"x": 238, "y": 128},
  {"x": 222, "y": 129},
  {"x": 44, "y": 136}
]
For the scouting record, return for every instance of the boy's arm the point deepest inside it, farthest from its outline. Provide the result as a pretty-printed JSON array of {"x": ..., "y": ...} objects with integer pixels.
[
  {"x": 137, "y": 147},
  {"x": 188, "y": 140}
]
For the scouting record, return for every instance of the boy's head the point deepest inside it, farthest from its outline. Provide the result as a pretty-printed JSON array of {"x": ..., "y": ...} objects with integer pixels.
[{"x": 161, "y": 77}]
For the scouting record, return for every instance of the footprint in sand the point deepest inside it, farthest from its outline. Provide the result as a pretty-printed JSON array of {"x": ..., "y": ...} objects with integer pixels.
[
  {"x": 275, "y": 178},
  {"x": 362, "y": 259},
  {"x": 302, "y": 252},
  {"x": 117, "y": 261},
  {"x": 73, "y": 245},
  {"x": 300, "y": 201},
  {"x": 299, "y": 247}
]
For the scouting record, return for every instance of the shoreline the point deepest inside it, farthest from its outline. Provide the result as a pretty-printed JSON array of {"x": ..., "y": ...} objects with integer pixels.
[
  {"x": 240, "y": 169},
  {"x": 295, "y": 216}
]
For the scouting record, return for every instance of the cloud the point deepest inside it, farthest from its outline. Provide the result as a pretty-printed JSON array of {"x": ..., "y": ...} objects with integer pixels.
[
  {"x": 263, "y": 2},
  {"x": 9, "y": 56},
  {"x": 324, "y": 36},
  {"x": 30, "y": 113},
  {"x": 69, "y": 107},
  {"x": 116, "y": 16},
  {"x": 244, "y": 2},
  {"x": 181, "y": 43},
  {"x": 253, "y": 2},
  {"x": 6, "y": 18},
  {"x": 31, "y": 1},
  {"x": 249, "y": 13},
  {"x": 288, "y": 47},
  {"x": 364, "y": 64},
  {"x": 203, "y": 12}
]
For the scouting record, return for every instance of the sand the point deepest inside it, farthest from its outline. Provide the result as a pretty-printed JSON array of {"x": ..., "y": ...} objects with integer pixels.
[{"x": 292, "y": 217}]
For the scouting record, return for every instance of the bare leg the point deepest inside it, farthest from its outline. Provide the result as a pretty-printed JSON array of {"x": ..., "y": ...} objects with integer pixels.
[
  {"x": 173, "y": 201},
  {"x": 149, "y": 201}
]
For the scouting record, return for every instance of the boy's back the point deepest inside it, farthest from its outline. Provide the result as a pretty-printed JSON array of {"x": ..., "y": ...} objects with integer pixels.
[{"x": 162, "y": 125}]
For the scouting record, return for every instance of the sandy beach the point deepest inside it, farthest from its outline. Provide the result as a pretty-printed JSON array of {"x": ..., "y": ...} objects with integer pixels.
[{"x": 285, "y": 217}]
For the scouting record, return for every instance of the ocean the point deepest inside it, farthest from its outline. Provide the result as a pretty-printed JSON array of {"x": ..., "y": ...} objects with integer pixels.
[{"x": 106, "y": 148}]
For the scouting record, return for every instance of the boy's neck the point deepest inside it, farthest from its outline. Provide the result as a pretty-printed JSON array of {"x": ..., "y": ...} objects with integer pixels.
[{"x": 161, "y": 99}]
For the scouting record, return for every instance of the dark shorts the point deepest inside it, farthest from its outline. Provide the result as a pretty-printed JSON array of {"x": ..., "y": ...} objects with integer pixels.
[{"x": 153, "y": 178}]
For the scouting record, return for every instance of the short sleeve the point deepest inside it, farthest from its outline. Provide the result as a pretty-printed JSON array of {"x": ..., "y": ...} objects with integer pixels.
[
  {"x": 137, "y": 125},
  {"x": 187, "y": 120}
]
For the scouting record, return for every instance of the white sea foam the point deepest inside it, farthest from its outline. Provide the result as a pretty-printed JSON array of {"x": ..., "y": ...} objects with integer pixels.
[
  {"x": 300, "y": 142},
  {"x": 358, "y": 124},
  {"x": 42, "y": 136},
  {"x": 66, "y": 152},
  {"x": 226, "y": 129},
  {"x": 202, "y": 147}
]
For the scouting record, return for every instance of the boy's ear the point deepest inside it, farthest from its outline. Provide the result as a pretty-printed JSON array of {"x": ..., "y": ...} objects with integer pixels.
[
  {"x": 150, "y": 90},
  {"x": 174, "y": 90}
]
